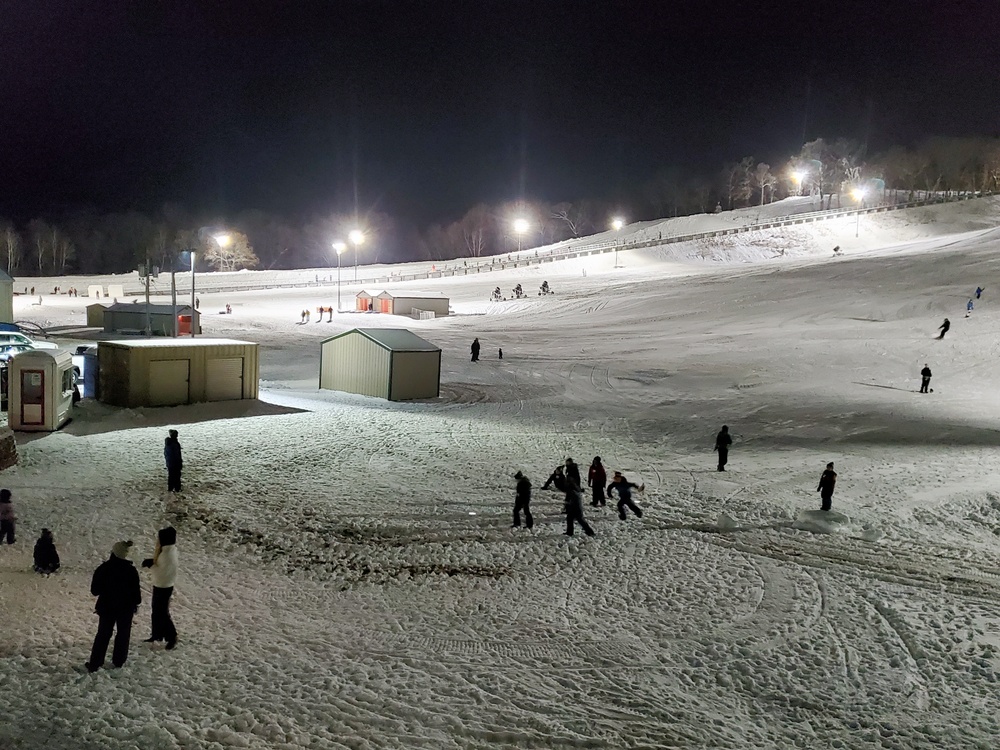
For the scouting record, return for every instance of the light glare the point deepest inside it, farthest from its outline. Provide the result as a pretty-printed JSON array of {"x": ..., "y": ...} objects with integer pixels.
[{"x": 356, "y": 236}]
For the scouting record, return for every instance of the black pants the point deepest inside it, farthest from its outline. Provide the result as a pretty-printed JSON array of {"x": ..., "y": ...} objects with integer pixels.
[
  {"x": 520, "y": 505},
  {"x": 723, "y": 458},
  {"x": 163, "y": 626},
  {"x": 7, "y": 531},
  {"x": 108, "y": 623},
  {"x": 924, "y": 384},
  {"x": 576, "y": 514},
  {"x": 827, "y": 498},
  {"x": 628, "y": 503},
  {"x": 174, "y": 480},
  {"x": 599, "y": 498}
]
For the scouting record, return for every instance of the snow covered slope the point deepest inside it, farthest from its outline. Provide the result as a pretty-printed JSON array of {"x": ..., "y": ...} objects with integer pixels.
[{"x": 349, "y": 578}]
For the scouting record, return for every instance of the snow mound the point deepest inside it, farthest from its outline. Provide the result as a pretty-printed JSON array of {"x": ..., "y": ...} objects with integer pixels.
[{"x": 821, "y": 521}]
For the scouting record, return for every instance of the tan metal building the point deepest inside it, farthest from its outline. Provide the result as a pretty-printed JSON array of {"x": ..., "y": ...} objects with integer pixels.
[
  {"x": 6, "y": 298},
  {"x": 95, "y": 315},
  {"x": 389, "y": 363},
  {"x": 412, "y": 303},
  {"x": 169, "y": 371},
  {"x": 367, "y": 301},
  {"x": 129, "y": 317}
]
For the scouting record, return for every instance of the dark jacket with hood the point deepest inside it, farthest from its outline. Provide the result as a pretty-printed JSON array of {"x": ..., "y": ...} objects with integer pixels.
[
  {"x": 172, "y": 453},
  {"x": 116, "y": 586},
  {"x": 46, "y": 557}
]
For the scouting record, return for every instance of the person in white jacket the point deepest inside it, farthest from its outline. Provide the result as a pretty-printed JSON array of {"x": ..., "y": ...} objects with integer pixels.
[{"x": 163, "y": 566}]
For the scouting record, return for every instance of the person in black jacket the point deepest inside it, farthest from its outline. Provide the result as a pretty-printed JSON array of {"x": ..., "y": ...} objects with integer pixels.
[
  {"x": 175, "y": 462},
  {"x": 722, "y": 443},
  {"x": 574, "y": 509},
  {"x": 625, "y": 487},
  {"x": 557, "y": 478},
  {"x": 475, "y": 350},
  {"x": 573, "y": 472},
  {"x": 522, "y": 501},
  {"x": 46, "y": 557},
  {"x": 597, "y": 478},
  {"x": 944, "y": 328},
  {"x": 925, "y": 378},
  {"x": 826, "y": 484},
  {"x": 116, "y": 586}
]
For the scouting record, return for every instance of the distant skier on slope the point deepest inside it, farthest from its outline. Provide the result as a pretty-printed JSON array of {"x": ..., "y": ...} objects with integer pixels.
[
  {"x": 827, "y": 482},
  {"x": 522, "y": 501},
  {"x": 625, "y": 500},
  {"x": 597, "y": 478},
  {"x": 722, "y": 443},
  {"x": 925, "y": 378},
  {"x": 944, "y": 328},
  {"x": 968, "y": 307}
]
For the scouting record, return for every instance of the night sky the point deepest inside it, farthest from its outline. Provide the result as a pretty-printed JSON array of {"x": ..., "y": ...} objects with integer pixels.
[{"x": 433, "y": 106}]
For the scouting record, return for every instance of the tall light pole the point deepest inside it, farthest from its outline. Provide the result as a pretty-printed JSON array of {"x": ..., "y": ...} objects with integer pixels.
[
  {"x": 520, "y": 227},
  {"x": 222, "y": 240},
  {"x": 859, "y": 195},
  {"x": 617, "y": 225},
  {"x": 357, "y": 237},
  {"x": 339, "y": 247}
]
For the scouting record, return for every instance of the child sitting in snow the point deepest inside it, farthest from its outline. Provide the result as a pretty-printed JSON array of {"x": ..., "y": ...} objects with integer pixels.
[{"x": 46, "y": 557}]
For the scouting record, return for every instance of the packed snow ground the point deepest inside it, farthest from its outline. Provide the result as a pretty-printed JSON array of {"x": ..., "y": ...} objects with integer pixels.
[{"x": 349, "y": 578}]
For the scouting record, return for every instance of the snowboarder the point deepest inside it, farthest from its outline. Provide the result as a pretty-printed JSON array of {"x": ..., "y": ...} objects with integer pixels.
[
  {"x": 597, "y": 479},
  {"x": 925, "y": 378},
  {"x": 116, "y": 586},
  {"x": 722, "y": 443},
  {"x": 45, "y": 556},
  {"x": 8, "y": 521},
  {"x": 968, "y": 307},
  {"x": 556, "y": 478},
  {"x": 625, "y": 488},
  {"x": 572, "y": 472},
  {"x": 827, "y": 482},
  {"x": 522, "y": 501},
  {"x": 574, "y": 509},
  {"x": 979, "y": 292},
  {"x": 475, "y": 350},
  {"x": 174, "y": 461},
  {"x": 944, "y": 327},
  {"x": 163, "y": 566}
]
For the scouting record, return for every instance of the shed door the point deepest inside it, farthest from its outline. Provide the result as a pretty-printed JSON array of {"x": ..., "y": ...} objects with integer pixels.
[
  {"x": 32, "y": 397},
  {"x": 168, "y": 382},
  {"x": 386, "y": 306},
  {"x": 225, "y": 379}
]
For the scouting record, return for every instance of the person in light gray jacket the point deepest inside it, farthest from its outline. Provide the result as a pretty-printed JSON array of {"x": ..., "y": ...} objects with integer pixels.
[{"x": 163, "y": 566}]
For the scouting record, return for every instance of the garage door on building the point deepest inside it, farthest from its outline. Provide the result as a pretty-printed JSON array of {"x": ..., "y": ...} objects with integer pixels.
[
  {"x": 225, "y": 379},
  {"x": 168, "y": 382}
]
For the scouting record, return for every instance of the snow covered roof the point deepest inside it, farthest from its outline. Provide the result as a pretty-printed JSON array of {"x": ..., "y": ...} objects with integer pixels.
[
  {"x": 371, "y": 295},
  {"x": 185, "y": 341},
  {"x": 393, "y": 339},
  {"x": 411, "y": 295},
  {"x": 141, "y": 307}
]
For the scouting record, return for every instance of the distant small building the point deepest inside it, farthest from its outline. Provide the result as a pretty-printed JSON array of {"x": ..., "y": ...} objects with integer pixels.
[
  {"x": 95, "y": 315},
  {"x": 412, "y": 303},
  {"x": 170, "y": 372},
  {"x": 389, "y": 363},
  {"x": 129, "y": 317},
  {"x": 366, "y": 301},
  {"x": 6, "y": 298}
]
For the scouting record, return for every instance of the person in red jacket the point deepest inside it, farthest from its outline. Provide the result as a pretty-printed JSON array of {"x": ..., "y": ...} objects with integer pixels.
[{"x": 597, "y": 480}]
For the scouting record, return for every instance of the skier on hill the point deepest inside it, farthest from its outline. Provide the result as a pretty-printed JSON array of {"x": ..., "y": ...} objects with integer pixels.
[
  {"x": 475, "y": 350},
  {"x": 572, "y": 472},
  {"x": 557, "y": 478},
  {"x": 116, "y": 586},
  {"x": 968, "y": 307},
  {"x": 574, "y": 509},
  {"x": 522, "y": 501},
  {"x": 625, "y": 488},
  {"x": 979, "y": 292},
  {"x": 597, "y": 478},
  {"x": 45, "y": 556},
  {"x": 944, "y": 327},
  {"x": 722, "y": 443},
  {"x": 925, "y": 378},
  {"x": 826, "y": 484}
]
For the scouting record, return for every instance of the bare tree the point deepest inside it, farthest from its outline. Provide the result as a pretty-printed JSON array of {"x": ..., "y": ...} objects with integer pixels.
[
  {"x": 10, "y": 241},
  {"x": 41, "y": 241},
  {"x": 232, "y": 255},
  {"x": 474, "y": 228},
  {"x": 764, "y": 180},
  {"x": 737, "y": 180}
]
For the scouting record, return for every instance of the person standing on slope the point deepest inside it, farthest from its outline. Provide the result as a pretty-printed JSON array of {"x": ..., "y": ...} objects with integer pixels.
[
  {"x": 979, "y": 292},
  {"x": 925, "y": 378},
  {"x": 116, "y": 586},
  {"x": 174, "y": 461},
  {"x": 163, "y": 566},
  {"x": 625, "y": 500},
  {"x": 522, "y": 501},
  {"x": 475, "y": 350},
  {"x": 574, "y": 509},
  {"x": 597, "y": 479},
  {"x": 573, "y": 472},
  {"x": 944, "y": 327},
  {"x": 827, "y": 482},
  {"x": 722, "y": 443}
]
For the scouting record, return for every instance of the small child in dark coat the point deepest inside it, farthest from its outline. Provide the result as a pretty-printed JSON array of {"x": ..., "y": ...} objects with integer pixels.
[
  {"x": 8, "y": 521},
  {"x": 46, "y": 557}
]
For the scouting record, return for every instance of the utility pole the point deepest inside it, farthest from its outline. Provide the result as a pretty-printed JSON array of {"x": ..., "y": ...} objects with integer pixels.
[{"x": 149, "y": 322}]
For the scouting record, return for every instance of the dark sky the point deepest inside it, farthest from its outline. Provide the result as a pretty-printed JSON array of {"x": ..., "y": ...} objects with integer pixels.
[{"x": 436, "y": 105}]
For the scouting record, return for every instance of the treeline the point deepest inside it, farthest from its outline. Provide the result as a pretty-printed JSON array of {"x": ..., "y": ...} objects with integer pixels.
[{"x": 87, "y": 242}]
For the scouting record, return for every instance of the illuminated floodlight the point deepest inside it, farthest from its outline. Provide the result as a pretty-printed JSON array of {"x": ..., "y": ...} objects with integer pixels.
[
  {"x": 223, "y": 240},
  {"x": 356, "y": 237},
  {"x": 617, "y": 224},
  {"x": 858, "y": 194},
  {"x": 798, "y": 176},
  {"x": 521, "y": 226},
  {"x": 339, "y": 246}
]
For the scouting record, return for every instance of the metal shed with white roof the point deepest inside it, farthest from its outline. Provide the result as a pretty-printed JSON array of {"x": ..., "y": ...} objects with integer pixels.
[
  {"x": 169, "y": 371},
  {"x": 412, "y": 303},
  {"x": 389, "y": 363}
]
